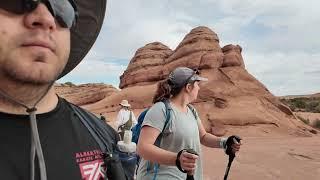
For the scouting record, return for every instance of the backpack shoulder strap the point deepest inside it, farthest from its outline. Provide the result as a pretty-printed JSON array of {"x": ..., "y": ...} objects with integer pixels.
[
  {"x": 107, "y": 139},
  {"x": 142, "y": 115},
  {"x": 159, "y": 138},
  {"x": 104, "y": 135},
  {"x": 168, "y": 117},
  {"x": 193, "y": 110},
  {"x": 168, "y": 114}
]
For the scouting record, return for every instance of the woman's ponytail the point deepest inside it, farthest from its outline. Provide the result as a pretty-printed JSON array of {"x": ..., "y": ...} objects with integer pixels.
[{"x": 163, "y": 91}]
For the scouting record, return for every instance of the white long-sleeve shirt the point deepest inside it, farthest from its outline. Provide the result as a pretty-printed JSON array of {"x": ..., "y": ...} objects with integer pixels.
[{"x": 123, "y": 117}]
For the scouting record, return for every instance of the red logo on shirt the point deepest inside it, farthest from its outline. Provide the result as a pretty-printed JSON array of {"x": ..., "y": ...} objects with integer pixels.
[{"x": 91, "y": 165}]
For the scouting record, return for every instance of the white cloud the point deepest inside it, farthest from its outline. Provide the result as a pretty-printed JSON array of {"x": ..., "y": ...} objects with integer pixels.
[
  {"x": 96, "y": 70},
  {"x": 287, "y": 25},
  {"x": 284, "y": 74}
]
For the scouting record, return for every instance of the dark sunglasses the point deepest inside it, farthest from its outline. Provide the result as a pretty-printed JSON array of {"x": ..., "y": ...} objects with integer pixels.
[{"x": 64, "y": 11}]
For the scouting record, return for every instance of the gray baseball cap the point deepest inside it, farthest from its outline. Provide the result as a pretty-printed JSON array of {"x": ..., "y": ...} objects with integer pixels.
[{"x": 183, "y": 75}]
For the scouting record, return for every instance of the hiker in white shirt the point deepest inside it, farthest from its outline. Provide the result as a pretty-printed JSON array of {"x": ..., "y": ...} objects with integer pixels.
[{"x": 124, "y": 115}]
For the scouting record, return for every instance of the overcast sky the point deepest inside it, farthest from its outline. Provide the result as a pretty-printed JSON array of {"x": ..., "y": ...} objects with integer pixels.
[{"x": 280, "y": 39}]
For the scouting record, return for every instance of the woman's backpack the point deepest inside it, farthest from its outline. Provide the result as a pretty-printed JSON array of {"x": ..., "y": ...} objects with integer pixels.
[{"x": 137, "y": 128}]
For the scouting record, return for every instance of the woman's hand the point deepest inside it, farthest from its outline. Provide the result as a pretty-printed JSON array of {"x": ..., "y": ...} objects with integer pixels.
[
  {"x": 235, "y": 146},
  {"x": 188, "y": 162},
  {"x": 232, "y": 144}
]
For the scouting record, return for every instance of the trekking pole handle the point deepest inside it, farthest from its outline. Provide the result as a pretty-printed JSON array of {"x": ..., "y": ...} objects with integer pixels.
[
  {"x": 230, "y": 141},
  {"x": 191, "y": 151}
]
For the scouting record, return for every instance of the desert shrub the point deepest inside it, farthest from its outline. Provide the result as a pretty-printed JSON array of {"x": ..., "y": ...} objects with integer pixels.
[
  {"x": 292, "y": 107},
  {"x": 303, "y": 104},
  {"x": 311, "y": 106},
  {"x": 288, "y": 103},
  {"x": 299, "y": 103},
  {"x": 69, "y": 84},
  {"x": 317, "y": 109},
  {"x": 285, "y": 101},
  {"x": 317, "y": 123},
  {"x": 306, "y": 121}
]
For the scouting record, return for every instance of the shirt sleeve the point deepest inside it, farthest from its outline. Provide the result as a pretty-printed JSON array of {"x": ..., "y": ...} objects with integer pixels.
[{"x": 156, "y": 116}]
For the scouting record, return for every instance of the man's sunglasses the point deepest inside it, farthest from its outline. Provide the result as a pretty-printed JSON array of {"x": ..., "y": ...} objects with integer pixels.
[{"x": 64, "y": 11}]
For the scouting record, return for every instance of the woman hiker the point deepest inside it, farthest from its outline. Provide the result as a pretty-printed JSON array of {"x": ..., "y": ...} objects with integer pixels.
[{"x": 179, "y": 153}]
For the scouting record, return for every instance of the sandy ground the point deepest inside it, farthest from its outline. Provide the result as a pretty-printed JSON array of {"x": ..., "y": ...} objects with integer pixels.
[
  {"x": 266, "y": 154},
  {"x": 268, "y": 158}
]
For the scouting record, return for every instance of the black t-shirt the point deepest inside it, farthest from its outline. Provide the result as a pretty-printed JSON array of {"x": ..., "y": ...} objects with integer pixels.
[{"x": 69, "y": 150}]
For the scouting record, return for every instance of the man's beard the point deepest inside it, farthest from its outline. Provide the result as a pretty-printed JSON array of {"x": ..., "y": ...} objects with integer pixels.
[
  {"x": 20, "y": 75},
  {"x": 32, "y": 74}
]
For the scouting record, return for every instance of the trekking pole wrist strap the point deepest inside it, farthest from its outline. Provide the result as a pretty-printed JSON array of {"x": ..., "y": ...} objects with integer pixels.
[
  {"x": 223, "y": 142},
  {"x": 178, "y": 164}
]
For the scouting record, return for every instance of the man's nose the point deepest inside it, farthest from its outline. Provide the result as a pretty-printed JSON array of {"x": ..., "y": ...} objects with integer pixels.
[{"x": 40, "y": 17}]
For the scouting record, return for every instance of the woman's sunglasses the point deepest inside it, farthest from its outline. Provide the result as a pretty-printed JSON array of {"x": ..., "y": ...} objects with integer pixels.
[{"x": 64, "y": 11}]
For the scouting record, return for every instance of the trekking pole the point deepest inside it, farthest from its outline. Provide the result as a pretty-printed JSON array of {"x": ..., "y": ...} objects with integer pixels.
[
  {"x": 231, "y": 156},
  {"x": 190, "y": 177}
]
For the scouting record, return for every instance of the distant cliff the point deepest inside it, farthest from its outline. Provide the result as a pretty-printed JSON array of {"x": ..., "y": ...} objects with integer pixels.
[{"x": 85, "y": 93}]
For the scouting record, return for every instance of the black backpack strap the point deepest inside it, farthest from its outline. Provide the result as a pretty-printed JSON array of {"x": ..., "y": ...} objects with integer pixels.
[
  {"x": 104, "y": 135},
  {"x": 107, "y": 139}
]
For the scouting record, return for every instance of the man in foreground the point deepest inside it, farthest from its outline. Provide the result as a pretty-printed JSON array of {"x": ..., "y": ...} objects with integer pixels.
[{"x": 41, "y": 135}]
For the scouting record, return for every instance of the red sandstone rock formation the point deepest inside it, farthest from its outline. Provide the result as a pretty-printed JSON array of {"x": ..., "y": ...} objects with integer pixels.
[
  {"x": 231, "y": 97},
  {"x": 149, "y": 58},
  {"x": 85, "y": 93}
]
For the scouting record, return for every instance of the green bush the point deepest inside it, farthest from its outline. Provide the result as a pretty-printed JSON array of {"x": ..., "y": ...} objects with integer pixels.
[
  {"x": 306, "y": 121},
  {"x": 299, "y": 103},
  {"x": 69, "y": 84},
  {"x": 310, "y": 107},
  {"x": 317, "y": 109},
  {"x": 303, "y": 104},
  {"x": 292, "y": 107},
  {"x": 317, "y": 124}
]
